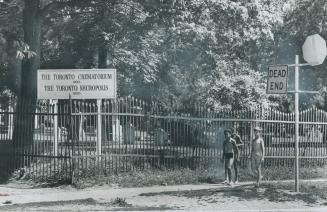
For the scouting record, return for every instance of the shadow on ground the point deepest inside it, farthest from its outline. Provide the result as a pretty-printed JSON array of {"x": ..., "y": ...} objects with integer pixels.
[
  {"x": 80, "y": 205},
  {"x": 245, "y": 193}
]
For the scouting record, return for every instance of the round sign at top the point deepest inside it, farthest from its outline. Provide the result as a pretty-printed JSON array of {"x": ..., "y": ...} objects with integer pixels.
[{"x": 314, "y": 50}]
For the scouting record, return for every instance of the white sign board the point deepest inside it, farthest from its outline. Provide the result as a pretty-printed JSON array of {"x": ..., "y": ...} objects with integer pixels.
[
  {"x": 77, "y": 83},
  {"x": 277, "y": 79}
]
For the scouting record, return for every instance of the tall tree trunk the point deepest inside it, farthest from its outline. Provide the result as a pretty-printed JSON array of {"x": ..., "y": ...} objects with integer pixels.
[
  {"x": 24, "y": 122},
  {"x": 102, "y": 57},
  {"x": 32, "y": 36},
  {"x": 14, "y": 65}
]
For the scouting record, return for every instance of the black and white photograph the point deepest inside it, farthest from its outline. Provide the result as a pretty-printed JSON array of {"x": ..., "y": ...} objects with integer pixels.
[{"x": 163, "y": 105}]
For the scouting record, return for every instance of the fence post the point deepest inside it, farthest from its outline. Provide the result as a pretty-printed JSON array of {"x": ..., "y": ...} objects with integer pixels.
[
  {"x": 55, "y": 126},
  {"x": 99, "y": 128}
]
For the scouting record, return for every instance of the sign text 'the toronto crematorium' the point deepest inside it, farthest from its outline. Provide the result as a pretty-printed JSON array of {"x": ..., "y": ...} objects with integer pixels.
[{"x": 76, "y": 83}]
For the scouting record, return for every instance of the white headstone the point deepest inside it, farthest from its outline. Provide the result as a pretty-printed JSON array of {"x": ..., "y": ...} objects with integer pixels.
[{"x": 314, "y": 50}]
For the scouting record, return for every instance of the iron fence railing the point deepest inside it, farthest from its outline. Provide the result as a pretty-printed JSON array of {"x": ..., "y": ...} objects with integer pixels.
[{"x": 72, "y": 138}]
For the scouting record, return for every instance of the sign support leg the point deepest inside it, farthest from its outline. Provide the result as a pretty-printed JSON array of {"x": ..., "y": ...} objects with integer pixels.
[
  {"x": 99, "y": 137},
  {"x": 55, "y": 126},
  {"x": 296, "y": 94}
]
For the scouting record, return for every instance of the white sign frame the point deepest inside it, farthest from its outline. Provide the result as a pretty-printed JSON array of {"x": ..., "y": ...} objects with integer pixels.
[
  {"x": 76, "y": 84},
  {"x": 277, "y": 79}
]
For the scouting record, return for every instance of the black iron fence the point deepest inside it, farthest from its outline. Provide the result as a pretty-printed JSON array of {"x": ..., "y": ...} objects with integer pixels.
[{"x": 75, "y": 138}]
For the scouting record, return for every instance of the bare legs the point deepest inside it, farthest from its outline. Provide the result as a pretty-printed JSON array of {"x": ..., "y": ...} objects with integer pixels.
[{"x": 228, "y": 169}]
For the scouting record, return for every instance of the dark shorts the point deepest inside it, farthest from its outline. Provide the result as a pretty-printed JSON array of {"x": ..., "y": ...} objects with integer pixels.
[{"x": 228, "y": 155}]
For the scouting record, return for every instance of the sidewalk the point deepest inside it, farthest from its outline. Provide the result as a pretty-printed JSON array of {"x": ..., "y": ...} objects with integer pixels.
[{"x": 240, "y": 197}]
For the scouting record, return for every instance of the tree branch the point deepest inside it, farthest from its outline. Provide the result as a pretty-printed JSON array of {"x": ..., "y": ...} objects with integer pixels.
[
  {"x": 7, "y": 5},
  {"x": 60, "y": 4}
]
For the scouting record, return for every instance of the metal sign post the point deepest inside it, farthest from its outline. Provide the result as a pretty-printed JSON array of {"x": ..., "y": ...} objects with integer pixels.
[
  {"x": 296, "y": 111},
  {"x": 296, "y": 92}
]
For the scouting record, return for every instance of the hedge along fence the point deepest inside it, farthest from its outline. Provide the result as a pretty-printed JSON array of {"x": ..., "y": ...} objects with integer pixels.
[{"x": 72, "y": 139}]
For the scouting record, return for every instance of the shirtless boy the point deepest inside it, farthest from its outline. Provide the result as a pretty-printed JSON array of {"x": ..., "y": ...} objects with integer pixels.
[
  {"x": 257, "y": 153},
  {"x": 239, "y": 143},
  {"x": 230, "y": 150}
]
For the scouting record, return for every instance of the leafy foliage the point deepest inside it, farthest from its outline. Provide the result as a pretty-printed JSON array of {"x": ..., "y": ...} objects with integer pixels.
[
  {"x": 216, "y": 49},
  {"x": 179, "y": 52},
  {"x": 306, "y": 18}
]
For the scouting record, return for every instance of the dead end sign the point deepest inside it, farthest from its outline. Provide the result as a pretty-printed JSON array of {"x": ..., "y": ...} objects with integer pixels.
[{"x": 277, "y": 79}]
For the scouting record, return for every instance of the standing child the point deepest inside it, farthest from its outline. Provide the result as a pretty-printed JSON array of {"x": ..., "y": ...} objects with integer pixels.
[
  {"x": 239, "y": 143},
  {"x": 229, "y": 148},
  {"x": 257, "y": 153}
]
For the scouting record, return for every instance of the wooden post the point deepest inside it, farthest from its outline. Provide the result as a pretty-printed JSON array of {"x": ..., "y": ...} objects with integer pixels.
[
  {"x": 99, "y": 128},
  {"x": 55, "y": 126}
]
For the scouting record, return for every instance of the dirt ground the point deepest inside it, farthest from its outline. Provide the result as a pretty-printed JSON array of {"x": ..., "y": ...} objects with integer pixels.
[{"x": 271, "y": 196}]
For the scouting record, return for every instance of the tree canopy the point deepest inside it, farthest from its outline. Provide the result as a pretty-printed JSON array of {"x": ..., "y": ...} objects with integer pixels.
[{"x": 212, "y": 52}]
